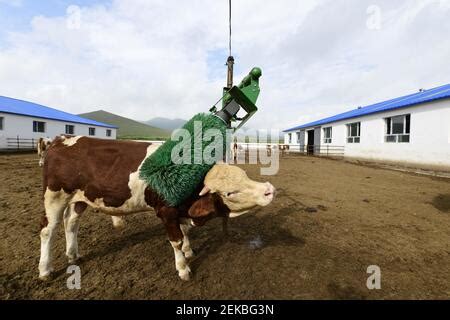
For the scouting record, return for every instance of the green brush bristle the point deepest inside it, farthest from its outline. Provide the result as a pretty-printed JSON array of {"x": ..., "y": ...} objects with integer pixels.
[{"x": 177, "y": 182}]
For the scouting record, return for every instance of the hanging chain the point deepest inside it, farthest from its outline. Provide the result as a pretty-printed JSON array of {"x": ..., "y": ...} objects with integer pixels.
[
  {"x": 230, "y": 60},
  {"x": 229, "y": 21}
]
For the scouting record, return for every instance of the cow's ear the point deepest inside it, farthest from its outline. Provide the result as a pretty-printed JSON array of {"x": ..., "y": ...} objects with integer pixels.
[{"x": 203, "y": 207}]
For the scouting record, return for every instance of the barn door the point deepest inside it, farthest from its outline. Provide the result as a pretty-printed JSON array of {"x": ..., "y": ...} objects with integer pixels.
[{"x": 310, "y": 146}]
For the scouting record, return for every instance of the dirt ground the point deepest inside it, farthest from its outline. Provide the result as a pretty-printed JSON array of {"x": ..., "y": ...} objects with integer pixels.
[{"x": 329, "y": 222}]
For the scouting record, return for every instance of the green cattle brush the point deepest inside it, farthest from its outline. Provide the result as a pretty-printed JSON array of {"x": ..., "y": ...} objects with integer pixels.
[{"x": 175, "y": 182}]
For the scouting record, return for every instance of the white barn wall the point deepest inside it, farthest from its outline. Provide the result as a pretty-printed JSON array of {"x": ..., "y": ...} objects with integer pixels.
[
  {"x": 22, "y": 126},
  {"x": 294, "y": 138},
  {"x": 429, "y": 138}
]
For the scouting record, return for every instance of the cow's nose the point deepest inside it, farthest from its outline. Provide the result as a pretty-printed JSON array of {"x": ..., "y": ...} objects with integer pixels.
[{"x": 270, "y": 190}]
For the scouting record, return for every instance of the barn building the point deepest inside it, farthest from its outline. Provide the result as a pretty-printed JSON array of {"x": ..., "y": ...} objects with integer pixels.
[
  {"x": 22, "y": 123},
  {"x": 413, "y": 129}
]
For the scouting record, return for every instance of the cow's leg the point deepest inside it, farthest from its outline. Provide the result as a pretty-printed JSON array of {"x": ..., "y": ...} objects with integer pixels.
[
  {"x": 180, "y": 261},
  {"x": 71, "y": 225},
  {"x": 169, "y": 216},
  {"x": 186, "y": 248},
  {"x": 118, "y": 222},
  {"x": 55, "y": 203}
]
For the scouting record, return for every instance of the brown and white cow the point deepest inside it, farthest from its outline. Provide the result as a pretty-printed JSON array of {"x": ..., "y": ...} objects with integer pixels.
[
  {"x": 104, "y": 174},
  {"x": 42, "y": 146}
]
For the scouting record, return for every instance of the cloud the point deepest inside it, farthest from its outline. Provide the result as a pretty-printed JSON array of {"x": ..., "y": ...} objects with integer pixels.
[{"x": 144, "y": 59}]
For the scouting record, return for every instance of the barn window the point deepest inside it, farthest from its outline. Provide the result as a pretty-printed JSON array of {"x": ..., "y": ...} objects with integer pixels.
[
  {"x": 108, "y": 133},
  {"x": 70, "y": 129},
  {"x": 354, "y": 132},
  {"x": 92, "y": 131},
  {"x": 1, "y": 123},
  {"x": 38, "y": 126},
  {"x": 327, "y": 135},
  {"x": 298, "y": 137},
  {"x": 398, "y": 129},
  {"x": 290, "y": 137}
]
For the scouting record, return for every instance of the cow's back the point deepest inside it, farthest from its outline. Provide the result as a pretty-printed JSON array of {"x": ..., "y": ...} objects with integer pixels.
[{"x": 101, "y": 168}]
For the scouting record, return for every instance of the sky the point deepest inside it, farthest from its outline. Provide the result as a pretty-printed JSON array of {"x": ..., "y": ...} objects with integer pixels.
[{"x": 165, "y": 58}]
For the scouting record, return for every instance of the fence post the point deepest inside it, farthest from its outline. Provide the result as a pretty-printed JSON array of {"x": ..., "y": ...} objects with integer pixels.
[
  {"x": 247, "y": 154},
  {"x": 327, "y": 150}
]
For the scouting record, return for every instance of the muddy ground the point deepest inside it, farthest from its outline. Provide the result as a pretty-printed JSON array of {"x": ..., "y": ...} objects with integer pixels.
[{"x": 329, "y": 222}]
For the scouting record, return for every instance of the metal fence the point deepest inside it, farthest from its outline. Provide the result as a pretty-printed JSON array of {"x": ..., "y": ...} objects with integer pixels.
[
  {"x": 284, "y": 149},
  {"x": 315, "y": 150},
  {"x": 21, "y": 144}
]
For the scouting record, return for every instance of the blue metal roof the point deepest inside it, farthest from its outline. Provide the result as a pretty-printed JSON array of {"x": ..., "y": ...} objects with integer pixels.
[
  {"x": 25, "y": 108},
  {"x": 405, "y": 101}
]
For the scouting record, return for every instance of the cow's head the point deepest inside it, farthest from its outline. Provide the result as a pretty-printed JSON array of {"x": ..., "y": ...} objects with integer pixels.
[{"x": 228, "y": 190}]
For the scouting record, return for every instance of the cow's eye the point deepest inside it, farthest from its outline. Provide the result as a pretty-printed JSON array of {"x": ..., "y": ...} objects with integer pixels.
[{"x": 229, "y": 194}]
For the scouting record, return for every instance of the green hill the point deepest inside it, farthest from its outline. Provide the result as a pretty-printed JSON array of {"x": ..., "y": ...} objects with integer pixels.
[{"x": 128, "y": 128}]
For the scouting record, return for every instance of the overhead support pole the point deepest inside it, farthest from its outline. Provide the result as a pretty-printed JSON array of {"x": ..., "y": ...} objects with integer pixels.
[{"x": 230, "y": 63}]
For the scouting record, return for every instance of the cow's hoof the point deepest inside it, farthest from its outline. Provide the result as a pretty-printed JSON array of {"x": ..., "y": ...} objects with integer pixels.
[
  {"x": 46, "y": 277},
  {"x": 73, "y": 259},
  {"x": 118, "y": 222},
  {"x": 185, "y": 274},
  {"x": 189, "y": 254}
]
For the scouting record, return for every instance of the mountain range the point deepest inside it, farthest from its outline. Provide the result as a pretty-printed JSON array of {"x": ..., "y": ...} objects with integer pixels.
[
  {"x": 128, "y": 128},
  {"x": 165, "y": 123},
  {"x": 155, "y": 129}
]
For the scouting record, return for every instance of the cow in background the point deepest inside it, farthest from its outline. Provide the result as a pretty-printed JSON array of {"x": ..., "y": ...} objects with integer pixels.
[{"x": 42, "y": 146}]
